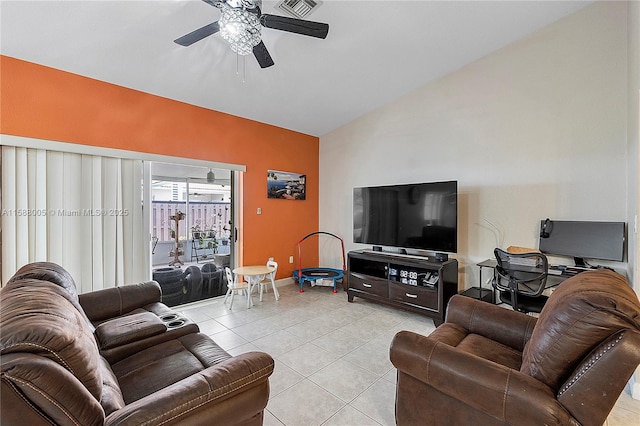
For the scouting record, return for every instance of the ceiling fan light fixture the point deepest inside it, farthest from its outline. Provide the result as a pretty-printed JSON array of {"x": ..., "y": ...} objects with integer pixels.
[
  {"x": 240, "y": 28},
  {"x": 241, "y": 23},
  {"x": 211, "y": 177}
]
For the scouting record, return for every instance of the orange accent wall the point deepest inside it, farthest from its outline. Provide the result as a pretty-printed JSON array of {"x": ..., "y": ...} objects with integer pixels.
[{"x": 46, "y": 103}]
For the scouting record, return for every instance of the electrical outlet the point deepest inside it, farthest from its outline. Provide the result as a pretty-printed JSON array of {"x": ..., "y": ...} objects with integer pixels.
[
  {"x": 259, "y": 211},
  {"x": 290, "y": 259}
]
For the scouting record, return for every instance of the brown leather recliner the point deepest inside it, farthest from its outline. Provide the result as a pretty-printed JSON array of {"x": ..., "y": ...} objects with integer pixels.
[
  {"x": 52, "y": 371},
  {"x": 492, "y": 366}
]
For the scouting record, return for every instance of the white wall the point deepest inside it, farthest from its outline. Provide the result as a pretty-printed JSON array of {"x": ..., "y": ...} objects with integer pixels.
[
  {"x": 633, "y": 31},
  {"x": 535, "y": 130},
  {"x": 633, "y": 135}
]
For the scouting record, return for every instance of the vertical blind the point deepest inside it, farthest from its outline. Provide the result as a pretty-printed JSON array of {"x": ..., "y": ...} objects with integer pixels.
[{"x": 83, "y": 212}]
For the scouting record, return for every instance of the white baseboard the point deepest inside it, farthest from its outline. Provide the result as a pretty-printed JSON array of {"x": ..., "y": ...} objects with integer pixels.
[{"x": 285, "y": 281}]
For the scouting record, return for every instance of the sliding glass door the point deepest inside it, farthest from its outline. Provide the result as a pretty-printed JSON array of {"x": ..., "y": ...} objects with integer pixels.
[{"x": 191, "y": 228}]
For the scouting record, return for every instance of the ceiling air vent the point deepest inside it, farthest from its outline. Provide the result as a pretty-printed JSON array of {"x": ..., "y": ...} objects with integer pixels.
[{"x": 298, "y": 8}]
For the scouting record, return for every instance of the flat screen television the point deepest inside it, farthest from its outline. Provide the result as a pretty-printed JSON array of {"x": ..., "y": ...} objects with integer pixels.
[
  {"x": 420, "y": 216},
  {"x": 583, "y": 240}
]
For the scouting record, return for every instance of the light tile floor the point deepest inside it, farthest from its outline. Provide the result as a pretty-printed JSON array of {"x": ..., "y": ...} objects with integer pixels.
[{"x": 331, "y": 357}]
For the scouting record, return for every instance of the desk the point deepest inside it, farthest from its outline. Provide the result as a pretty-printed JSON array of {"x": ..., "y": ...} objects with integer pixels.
[
  {"x": 553, "y": 279},
  {"x": 485, "y": 294},
  {"x": 489, "y": 263},
  {"x": 254, "y": 274}
]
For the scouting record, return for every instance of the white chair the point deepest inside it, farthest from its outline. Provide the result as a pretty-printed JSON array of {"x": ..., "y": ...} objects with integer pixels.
[
  {"x": 234, "y": 286},
  {"x": 270, "y": 279}
]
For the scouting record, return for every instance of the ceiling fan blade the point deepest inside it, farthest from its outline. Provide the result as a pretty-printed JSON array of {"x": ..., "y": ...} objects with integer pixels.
[
  {"x": 262, "y": 55},
  {"x": 293, "y": 25},
  {"x": 199, "y": 34}
]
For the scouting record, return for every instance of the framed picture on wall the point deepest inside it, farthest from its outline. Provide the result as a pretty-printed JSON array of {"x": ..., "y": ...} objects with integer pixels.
[{"x": 286, "y": 185}]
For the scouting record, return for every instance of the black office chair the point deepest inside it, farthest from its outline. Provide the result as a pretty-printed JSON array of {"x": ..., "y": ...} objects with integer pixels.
[{"x": 520, "y": 279}]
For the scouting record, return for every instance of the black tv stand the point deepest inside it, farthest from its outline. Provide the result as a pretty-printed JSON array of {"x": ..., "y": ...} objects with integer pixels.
[{"x": 415, "y": 283}]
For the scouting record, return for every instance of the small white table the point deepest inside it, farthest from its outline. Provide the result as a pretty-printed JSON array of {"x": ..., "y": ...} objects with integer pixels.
[{"x": 255, "y": 274}]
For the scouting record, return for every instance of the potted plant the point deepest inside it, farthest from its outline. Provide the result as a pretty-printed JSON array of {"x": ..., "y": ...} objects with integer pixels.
[
  {"x": 225, "y": 237},
  {"x": 195, "y": 232}
]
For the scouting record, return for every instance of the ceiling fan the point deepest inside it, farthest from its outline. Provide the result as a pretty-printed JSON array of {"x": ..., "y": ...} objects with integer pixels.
[
  {"x": 211, "y": 178},
  {"x": 241, "y": 22}
]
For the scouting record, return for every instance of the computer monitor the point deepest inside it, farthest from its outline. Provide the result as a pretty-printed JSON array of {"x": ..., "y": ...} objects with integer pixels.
[{"x": 583, "y": 240}]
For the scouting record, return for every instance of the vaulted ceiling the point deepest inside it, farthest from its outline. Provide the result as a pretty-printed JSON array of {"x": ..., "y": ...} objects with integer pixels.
[{"x": 376, "y": 51}]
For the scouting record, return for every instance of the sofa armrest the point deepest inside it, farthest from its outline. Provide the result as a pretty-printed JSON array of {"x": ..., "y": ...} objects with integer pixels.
[
  {"x": 485, "y": 386},
  {"x": 112, "y": 302},
  {"x": 231, "y": 392},
  {"x": 127, "y": 329},
  {"x": 607, "y": 369},
  {"x": 36, "y": 390},
  {"x": 502, "y": 325}
]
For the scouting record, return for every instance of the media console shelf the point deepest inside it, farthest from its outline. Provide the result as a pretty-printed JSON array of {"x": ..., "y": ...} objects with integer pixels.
[{"x": 415, "y": 283}]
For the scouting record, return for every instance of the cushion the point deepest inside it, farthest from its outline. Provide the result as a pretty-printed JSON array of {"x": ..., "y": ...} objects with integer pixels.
[
  {"x": 122, "y": 300},
  {"x": 37, "y": 318},
  {"x": 491, "y": 350},
  {"x": 53, "y": 273},
  {"x": 39, "y": 382},
  {"x": 111, "y": 395},
  {"x": 475, "y": 344},
  {"x": 582, "y": 312},
  {"x": 156, "y": 368},
  {"x": 130, "y": 328},
  {"x": 47, "y": 271}
]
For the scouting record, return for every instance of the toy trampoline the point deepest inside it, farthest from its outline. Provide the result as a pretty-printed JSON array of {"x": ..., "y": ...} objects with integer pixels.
[{"x": 327, "y": 277}]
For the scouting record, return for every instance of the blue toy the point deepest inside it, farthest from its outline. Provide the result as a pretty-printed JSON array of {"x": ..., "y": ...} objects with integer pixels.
[{"x": 318, "y": 276}]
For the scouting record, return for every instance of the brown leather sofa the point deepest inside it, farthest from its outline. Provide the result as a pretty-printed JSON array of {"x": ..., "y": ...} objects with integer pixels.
[
  {"x": 125, "y": 319},
  {"x": 487, "y": 365},
  {"x": 53, "y": 368}
]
